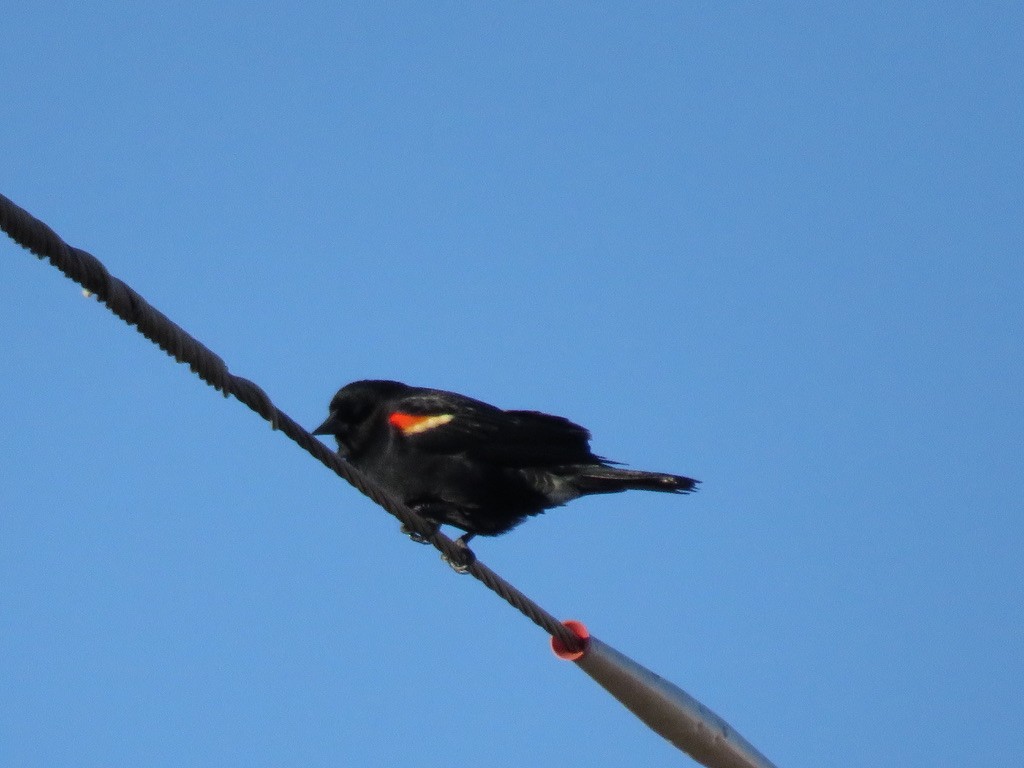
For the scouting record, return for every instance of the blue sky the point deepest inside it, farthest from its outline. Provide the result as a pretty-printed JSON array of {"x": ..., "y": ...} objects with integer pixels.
[{"x": 775, "y": 248}]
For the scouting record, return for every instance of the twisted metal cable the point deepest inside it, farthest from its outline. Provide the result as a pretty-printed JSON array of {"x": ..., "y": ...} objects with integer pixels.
[{"x": 86, "y": 270}]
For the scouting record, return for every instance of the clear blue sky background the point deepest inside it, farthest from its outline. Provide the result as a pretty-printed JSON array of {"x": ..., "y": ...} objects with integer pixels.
[{"x": 777, "y": 248}]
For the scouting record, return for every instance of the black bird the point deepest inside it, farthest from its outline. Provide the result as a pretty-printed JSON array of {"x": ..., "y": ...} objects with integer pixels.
[{"x": 461, "y": 462}]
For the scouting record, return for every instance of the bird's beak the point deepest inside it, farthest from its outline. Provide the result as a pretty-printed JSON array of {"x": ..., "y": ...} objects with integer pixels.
[{"x": 327, "y": 428}]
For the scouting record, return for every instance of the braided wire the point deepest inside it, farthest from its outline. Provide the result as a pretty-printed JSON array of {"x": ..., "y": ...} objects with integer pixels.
[{"x": 86, "y": 270}]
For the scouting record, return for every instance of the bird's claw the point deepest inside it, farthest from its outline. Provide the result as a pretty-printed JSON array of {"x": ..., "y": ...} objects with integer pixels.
[
  {"x": 466, "y": 557},
  {"x": 419, "y": 538}
]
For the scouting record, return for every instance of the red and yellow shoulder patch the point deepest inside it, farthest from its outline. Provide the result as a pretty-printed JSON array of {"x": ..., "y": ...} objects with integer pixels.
[{"x": 412, "y": 424}]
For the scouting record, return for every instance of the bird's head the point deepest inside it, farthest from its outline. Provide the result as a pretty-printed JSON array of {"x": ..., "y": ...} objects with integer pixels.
[{"x": 353, "y": 412}]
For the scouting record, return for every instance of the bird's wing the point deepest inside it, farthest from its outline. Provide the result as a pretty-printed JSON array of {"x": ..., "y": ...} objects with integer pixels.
[{"x": 455, "y": 424}]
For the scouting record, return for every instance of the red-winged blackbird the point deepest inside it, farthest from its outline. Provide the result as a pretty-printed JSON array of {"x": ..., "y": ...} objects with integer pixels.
[{"x": 461, "y": 462}]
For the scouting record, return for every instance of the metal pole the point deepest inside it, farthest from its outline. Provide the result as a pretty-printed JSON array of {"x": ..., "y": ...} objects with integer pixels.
[{"x": 665, "y": 708}]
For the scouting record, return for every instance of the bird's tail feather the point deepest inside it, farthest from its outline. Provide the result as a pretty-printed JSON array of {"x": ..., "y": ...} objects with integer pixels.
[{"x": 600, "y": 479}]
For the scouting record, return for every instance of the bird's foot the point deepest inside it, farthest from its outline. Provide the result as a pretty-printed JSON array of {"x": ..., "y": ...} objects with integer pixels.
[
  {"x": 419, "y": 538},
  {"x": 465, "y": 557}
]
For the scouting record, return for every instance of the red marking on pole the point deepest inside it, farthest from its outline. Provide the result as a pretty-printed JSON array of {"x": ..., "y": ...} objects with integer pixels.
[{"x": 578, "y": 629}]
